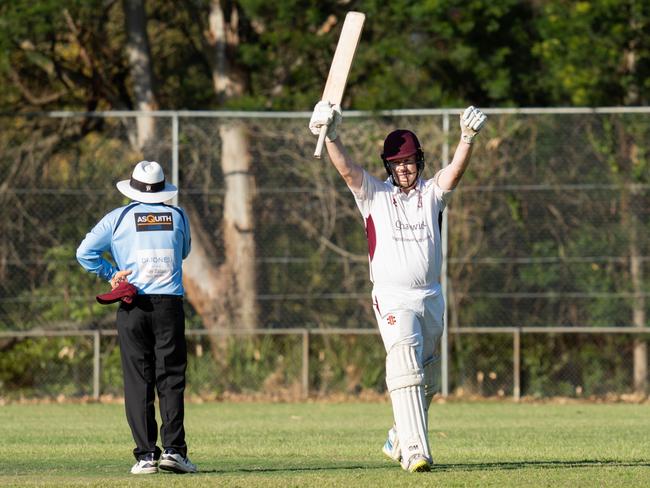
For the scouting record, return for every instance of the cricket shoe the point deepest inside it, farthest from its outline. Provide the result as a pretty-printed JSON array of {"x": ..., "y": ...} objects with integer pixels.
[
  {"x": 173, "y": 461},
  {"x": 391, "y": 447},
  {"x": 417, "y": 464},
  {"x": 147, "y": 464}
]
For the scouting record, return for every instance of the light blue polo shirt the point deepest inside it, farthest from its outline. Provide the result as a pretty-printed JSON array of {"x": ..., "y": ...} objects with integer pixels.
[{"x": 150, "y": 239}]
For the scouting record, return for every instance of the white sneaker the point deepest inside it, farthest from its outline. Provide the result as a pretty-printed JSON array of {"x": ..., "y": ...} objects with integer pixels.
[
  {"x": 391, "y": 446},
  {"x": 173, "y": 461},
  {"x": 145, "y": 465},
  {"x": 417, "y": 464}
]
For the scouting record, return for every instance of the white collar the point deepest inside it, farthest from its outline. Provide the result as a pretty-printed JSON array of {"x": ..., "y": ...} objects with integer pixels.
[{"x": 396, "y": 189}]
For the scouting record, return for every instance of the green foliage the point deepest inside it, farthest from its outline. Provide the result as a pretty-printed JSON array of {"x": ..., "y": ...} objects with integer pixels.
[
  {"x": 595, "y": 53},
  {"x": 65, "y": 55},
  {"x": 581, "y": 367},
  {"x": 438, "y": 54},
  {"x": 269, "y": 364},
  {"x": 111, "y": 379},
  {"x": 46, "y": 367},
  {"x": 349, "y": 364},
  {"x": 482, "y": 365},
  {"x": 412, "y": 54}
]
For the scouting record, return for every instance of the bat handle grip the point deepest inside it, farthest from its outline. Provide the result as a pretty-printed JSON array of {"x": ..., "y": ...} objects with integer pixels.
[{"x": 321, "y": 141}]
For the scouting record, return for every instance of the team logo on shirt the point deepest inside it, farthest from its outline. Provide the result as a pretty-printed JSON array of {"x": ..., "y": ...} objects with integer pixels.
[
  {"x": 145, "y": 222},
  {"x": 405, "y": 231},
  {"x": 391, "y": 319},
  {"x": 399, "y": 225}
]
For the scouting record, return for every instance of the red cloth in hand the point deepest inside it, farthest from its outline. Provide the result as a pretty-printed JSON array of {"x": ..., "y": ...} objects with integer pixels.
[{"x": 125, "y": 291}]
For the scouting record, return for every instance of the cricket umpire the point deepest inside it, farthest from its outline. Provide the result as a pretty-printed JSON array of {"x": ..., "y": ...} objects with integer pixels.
[{"x": 148, "y": 241}]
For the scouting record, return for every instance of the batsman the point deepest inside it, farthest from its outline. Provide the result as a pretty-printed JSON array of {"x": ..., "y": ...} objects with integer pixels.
[{"x": 402, "y": 216}]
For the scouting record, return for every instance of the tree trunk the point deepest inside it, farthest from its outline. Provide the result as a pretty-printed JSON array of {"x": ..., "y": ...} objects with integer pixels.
[
  {"x": 238, "y": 221},
  {"x": 139, "y": 55},
  {"x": 217, "y": 38},
  {"x": 221, "y": 39},
  {"x": 225, "y": 295}
]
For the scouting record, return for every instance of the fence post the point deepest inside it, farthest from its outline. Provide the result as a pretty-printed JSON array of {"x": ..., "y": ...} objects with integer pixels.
[
  {"x": 175, "y": 154},
  {"x": 516, "y": 350},
  {"x": 305, "y": 363},
  {"x": 444, "y": 343},
  {"x": 96, "y": 363}
]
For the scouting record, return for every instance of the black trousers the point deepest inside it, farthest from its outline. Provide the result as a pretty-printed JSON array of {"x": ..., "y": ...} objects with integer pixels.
[{"x": 151, "y": 334}]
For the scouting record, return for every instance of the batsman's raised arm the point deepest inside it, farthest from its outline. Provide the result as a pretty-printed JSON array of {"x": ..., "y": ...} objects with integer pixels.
[
  {"x": 471, "y": 122},
  {"x": 327, "y": 115}
]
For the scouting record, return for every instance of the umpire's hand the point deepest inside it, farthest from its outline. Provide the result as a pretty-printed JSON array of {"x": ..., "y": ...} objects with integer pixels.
[{"x": 119, "y": 277}]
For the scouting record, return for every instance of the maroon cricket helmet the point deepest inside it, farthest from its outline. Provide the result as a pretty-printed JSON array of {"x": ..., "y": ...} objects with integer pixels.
[{"x": 400, "y": 143}]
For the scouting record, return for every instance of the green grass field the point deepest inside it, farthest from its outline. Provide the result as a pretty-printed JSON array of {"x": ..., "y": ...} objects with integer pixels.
[{"x": 325, "y": 444}]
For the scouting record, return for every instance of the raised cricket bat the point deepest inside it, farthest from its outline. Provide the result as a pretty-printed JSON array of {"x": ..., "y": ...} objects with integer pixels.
[{"x": 338, "y": 75}]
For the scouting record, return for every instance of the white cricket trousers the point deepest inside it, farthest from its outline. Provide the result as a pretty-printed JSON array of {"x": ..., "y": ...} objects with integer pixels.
[{"x": 410, "y": 318}]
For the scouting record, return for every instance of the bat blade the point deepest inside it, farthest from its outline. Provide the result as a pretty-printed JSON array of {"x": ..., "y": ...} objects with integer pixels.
[{"x": 340, "y": 67}]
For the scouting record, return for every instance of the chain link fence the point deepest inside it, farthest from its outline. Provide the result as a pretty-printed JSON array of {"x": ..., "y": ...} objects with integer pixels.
[{"x": 545, "y": 266}]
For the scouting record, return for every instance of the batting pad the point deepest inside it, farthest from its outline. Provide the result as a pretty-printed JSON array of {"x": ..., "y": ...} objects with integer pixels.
[
  {"x": 410, "y": 422},
  {"x": 405, "y": 378},
  {"x": 431, "y": 379},
  {"x": 403, "y": 368}
]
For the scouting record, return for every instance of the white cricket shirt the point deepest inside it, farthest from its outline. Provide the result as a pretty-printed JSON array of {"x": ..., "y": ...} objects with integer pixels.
[{"x": 403, "y": 231}]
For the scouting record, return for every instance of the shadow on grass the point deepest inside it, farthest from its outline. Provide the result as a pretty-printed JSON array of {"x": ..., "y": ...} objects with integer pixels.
[
  {"x": 438, "y": 468},
  {"x": 585, "y": 463},
  {"x": 291, "y": 469}
]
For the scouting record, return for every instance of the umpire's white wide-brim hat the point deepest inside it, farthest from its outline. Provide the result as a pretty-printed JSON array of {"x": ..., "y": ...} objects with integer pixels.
[{"x": 147, "y": 184}]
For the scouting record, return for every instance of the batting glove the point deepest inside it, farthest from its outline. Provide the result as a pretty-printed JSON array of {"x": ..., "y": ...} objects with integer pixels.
[
  {"x": 328, "y": 115},
  {"x": 471, "y": 122}
]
